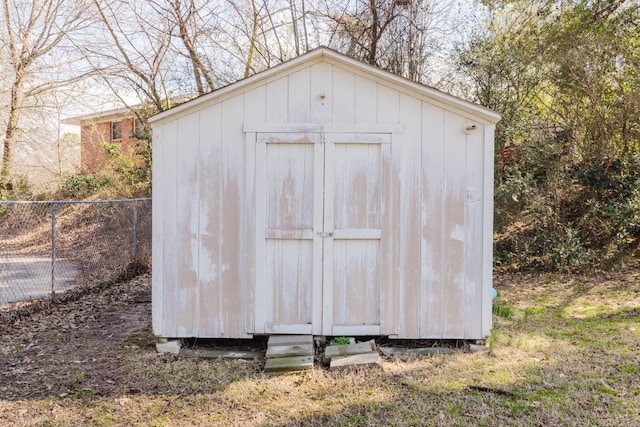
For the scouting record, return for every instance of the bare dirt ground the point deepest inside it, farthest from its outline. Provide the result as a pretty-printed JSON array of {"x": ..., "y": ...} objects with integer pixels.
[{"x": 76, "y": 346}]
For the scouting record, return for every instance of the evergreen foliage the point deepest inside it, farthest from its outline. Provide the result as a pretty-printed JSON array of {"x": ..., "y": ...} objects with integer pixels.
[{"x": 566, "y": 77}]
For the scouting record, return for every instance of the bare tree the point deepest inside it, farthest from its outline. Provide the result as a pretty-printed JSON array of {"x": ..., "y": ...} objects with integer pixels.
[
  {"x": 407, "y": 49},
  {"x": 360, "y": 26},
  {"x": 262, "y": 33},
  {"x": 47, "y": 154},
  {"x": 132, "y": 52},
  {"x": 265, "y": 38},
  {"x": 189, "y": 24},
  {"x": 396, "y": 35},
  {"x": 34, "y": 32},
  {"x": 299, "y": 26}
]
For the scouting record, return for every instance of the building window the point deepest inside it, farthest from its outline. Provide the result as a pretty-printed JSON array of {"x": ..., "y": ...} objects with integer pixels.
[
  {"x": 116, "y": 131},
  {"x": 138, "y": 128}
]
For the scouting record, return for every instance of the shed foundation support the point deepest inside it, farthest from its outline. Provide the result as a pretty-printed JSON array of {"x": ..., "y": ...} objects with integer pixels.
[{"x": 166, "y": 345}]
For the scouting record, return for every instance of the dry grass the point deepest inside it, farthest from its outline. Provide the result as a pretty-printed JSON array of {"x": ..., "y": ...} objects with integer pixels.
[{"x": 565, "y": 351}]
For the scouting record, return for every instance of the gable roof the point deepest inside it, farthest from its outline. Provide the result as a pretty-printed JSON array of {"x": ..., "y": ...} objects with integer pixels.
[
  {"x": 100, "y": 116},
  {"x": 324, "y": 54},
  {"x": 118, "y": 113}
]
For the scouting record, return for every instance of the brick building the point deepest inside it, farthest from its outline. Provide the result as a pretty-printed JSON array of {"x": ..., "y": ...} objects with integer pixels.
[{"x": 100, "y": 130}]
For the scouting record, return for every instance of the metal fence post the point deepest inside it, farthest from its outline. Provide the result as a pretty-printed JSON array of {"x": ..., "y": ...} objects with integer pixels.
[
  {"x": 53, "y": 251},
  {"x": 135, "y": 230}
]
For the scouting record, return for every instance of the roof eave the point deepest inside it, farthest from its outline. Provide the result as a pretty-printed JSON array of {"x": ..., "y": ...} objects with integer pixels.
[{"x": 103, "y": 116}]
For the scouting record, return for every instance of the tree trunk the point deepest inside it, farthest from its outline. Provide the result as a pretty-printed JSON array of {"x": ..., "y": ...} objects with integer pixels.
[
  {"x": 252, "y": 42},
  {"x": 374, "y": 37},
  {"x": 11, "y": 131}
]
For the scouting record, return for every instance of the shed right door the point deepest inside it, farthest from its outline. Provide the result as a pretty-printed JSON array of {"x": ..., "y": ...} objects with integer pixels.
[{"x": 354, "y": 177}]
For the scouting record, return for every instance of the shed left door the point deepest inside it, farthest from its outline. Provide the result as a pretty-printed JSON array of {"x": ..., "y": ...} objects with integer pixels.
[{"x": 289, "y": 192}]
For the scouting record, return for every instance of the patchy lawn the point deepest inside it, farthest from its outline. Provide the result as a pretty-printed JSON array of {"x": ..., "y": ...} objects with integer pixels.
[{"x": 565, "y": 351}]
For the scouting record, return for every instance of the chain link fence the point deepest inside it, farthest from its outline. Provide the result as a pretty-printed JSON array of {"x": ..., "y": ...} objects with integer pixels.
[{"x": 47, "y": 247}]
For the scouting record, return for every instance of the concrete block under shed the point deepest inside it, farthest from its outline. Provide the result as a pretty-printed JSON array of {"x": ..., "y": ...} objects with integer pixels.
[
  {"x": 164, "y": 345},
  {"x": 478, "y": 348}
]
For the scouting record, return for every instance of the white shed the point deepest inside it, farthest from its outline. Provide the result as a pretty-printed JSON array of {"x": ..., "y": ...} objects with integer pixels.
[{"x": 323, "y": 196}]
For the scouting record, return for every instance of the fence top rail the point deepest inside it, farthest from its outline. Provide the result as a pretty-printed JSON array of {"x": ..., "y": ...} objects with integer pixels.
[{"x": 69, "y": 202}]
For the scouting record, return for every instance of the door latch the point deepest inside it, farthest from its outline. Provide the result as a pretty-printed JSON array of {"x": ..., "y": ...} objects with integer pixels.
[{"x": 325, "y": 233}]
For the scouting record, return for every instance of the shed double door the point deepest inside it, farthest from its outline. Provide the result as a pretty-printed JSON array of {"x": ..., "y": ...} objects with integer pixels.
[{"x": 320, "y": 198}]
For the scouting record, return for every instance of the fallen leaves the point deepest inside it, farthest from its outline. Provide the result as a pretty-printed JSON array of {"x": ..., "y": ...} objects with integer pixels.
[{"x": 73, "y": 348}]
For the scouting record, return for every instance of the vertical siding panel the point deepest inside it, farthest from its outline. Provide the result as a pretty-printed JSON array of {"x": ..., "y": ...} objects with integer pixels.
[
  {"x": 344, "y": 97},
  {"x": 260, "y": 245},
  {"x": 300, "y": 96},
  {"x": 366, "y": 100},
  {"x": 255, "y": 102},
  {"x": 389, "y": 246},
  {"x": 232, "y": 165},
  {"x": 472, "y": 298},
  {"x": 487, "y": 229},
  {"x": 247, "y": 262},
  {"x": 210, "y": 213},
  {"x": 431, "y": 273},
  {"x": 321, "y": 84},
  {"x": 277, "y": 107},
  {"x": 410, "y": 207},
  {"x": 254, "y": 112},
  {"x": 187, "y": 224},
  {"x": 169, "y": 218},
  {"x": 159, "y": 287},
  {"x": 388, "y": 105},
  {"x": 454, "y": 223}
]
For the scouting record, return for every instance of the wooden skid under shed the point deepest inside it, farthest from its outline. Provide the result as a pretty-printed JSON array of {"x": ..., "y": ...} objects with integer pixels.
[
  {"x": 289, "y": 353},
  {"x": 348, "y": 349},
  {"x": 365, "y": 359},
  {"x": 285, "y": 364}
]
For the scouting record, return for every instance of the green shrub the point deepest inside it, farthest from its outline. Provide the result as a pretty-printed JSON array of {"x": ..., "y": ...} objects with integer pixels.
[
  {"x": 574, "y": 216},
  {"x": 124, "y": 175},
  {"x": 80, "y": 186}
]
